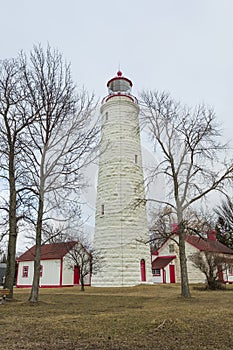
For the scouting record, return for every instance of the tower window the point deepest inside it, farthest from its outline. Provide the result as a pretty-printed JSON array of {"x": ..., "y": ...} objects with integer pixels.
[
  {"x": 102, "y": 209},
  {"x": 106, "y": 116},
  {"x": 136, "y": 159}
]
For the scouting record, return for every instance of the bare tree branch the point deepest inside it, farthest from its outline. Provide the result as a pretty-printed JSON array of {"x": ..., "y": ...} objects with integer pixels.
[{"x": 193, "y": 163}]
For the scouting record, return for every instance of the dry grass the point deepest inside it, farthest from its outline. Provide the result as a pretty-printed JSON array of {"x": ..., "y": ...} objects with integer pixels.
[{"x": 143, "y": 317}]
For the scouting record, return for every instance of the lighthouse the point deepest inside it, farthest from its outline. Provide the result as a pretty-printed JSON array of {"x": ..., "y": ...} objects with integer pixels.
[{"x": 121, "y": 230}]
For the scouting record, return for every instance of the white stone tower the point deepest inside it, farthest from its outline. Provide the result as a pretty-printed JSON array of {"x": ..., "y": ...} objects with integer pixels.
[{"x": 121, "y": 225}]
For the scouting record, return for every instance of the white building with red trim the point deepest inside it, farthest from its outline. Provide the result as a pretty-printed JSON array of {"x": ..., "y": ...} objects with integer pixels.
[
  {"x": 55, "y": 267},
  {"x": 166, "y": 265}
]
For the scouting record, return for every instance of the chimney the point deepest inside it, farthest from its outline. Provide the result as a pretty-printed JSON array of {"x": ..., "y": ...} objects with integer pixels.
[
  {"x": 211, "y": 235},
  {"x": 174, "y": 228}
]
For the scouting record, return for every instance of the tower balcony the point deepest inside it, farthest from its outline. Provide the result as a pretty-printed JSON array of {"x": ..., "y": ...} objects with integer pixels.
[{"x": 117, "y": 94}]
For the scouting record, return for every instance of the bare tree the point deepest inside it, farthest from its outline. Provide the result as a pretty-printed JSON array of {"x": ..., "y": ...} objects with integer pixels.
[
  {"x": 14, "y": 118},
  {"x": 161, "y": 226},
  {"x": 225, "y": 222},
  {"x": 186, "y": 140},
  {"x": 213, "y": 265},
  {"x": 85, "y": 258},
  {"x": 59, "y": 144},
  {"x": 164, "y": 224}
]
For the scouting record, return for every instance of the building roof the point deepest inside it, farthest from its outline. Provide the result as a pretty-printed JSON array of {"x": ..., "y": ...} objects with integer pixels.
[
  {"x": 208, "y": 245},
  {"x": 48, "y": 251},
  {"x": 162, "y": 261}
]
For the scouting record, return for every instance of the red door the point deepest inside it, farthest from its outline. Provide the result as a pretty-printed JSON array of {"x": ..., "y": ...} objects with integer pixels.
[
  {"x": 143, "y": 270},
  {"x": 172, "y": 273},
  {"x": 76, "y": 275}
]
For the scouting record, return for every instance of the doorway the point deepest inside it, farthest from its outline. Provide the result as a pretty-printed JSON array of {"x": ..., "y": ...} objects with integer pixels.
[
  {"x": 76, "y": 275},
  {"x": 143, "y": 270},
  {"x": 172, "y": 273}
]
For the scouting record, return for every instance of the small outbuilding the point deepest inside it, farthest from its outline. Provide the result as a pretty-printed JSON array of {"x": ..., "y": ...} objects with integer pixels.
[
  {"x": 166, "y": 265},
  {"x": 55, "y": 269}
]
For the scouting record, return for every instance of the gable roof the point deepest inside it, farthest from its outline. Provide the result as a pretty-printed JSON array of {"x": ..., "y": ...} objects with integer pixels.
[
  {"x": 208, "y": 245},
  {"x": 48, "y": 251},
  {"x": 162, "y": 261},
  {"x": 201, "y": 244}
]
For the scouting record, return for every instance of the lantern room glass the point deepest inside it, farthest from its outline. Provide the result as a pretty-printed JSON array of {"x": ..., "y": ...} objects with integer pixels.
[{"x": 119, "y": 85}]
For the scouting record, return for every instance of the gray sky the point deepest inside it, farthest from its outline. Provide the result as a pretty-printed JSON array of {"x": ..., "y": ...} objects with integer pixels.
[{"x": 181, "y": 46}]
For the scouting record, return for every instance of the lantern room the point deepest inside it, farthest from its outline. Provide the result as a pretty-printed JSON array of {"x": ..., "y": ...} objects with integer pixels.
[{"x": 119, "y": 86}]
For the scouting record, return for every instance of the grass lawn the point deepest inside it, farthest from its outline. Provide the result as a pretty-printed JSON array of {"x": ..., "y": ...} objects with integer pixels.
[{"x": 142, "y": 317}]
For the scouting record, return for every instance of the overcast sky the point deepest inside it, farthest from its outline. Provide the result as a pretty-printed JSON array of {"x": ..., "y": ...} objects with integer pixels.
[{"x": 181, "y": 46}]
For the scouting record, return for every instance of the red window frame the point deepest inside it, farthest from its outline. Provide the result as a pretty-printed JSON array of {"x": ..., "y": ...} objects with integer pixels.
[
  {"x": 25, "y": 271},
  {"x": 41, "y": 270}
]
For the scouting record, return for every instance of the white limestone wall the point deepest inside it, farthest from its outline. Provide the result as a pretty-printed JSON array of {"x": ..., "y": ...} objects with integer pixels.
[{"x": 122, "y": 228}]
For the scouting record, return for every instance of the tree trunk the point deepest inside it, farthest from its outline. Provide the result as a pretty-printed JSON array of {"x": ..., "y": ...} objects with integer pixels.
[
  {"x": 185, "y": 292},
  {"x": 10, "y": 270},
  {"x": 82, "y": 283},
  {"x": 34, "y": 296}
]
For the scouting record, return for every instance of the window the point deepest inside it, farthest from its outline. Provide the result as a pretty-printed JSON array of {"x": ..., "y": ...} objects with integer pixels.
[
  {"x": 136, "y": 159},
  {"x": 156, "y": 272},
  {"x": 102, "y": 209},
  {"x": 231, "y": 270},
  {"x": 106, "y": 116},
  {"x": 171, "y": 248},
  {"x": 25, "y": 271},
  {"x": 41, "y": 270}
]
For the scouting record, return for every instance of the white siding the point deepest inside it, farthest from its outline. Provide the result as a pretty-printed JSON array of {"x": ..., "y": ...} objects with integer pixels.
[
  {"x": 158, "y": 279},
  {"x": 228, "y": 277},
  {"x": 50, "y": 272},
  {"x": 25, "y": 281},
  {"x": 194, "y": 274},
  {"x": 67, "y": 274}
]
